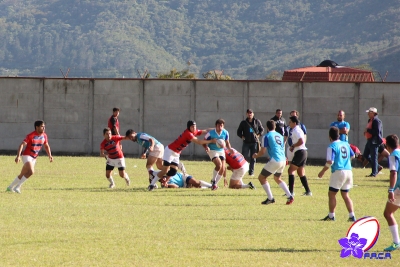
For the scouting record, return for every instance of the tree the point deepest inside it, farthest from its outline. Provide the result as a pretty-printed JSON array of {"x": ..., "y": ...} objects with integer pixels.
[{"x": 174, "y": 74}]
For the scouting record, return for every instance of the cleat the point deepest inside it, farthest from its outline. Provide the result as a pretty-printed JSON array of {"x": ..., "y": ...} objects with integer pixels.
[
  {"x": 17, "y": 190},
  {"x": 371, "y": 175},
  {"x": 380, "y": 168},
  {"x": 327, "y": 218},
  {"x": 9, "y": 189},
  {"x": 111, "y": 185},
  {"x": 151, "y": 187},
  {"x": 293, "y": 194},
  {"x": 307, "y": 194},
  {"x": 214, "y": 187},
  {"x": 267, "y": 201},
  {"x": 352, "y": 219},
  {"x": 128, "y": 182},
  {"x": 251, "y": 186},
  {"x": 392, "y": 247},
  {"x": 151, "y": 176},
  {"x": 290, "y": 200}
]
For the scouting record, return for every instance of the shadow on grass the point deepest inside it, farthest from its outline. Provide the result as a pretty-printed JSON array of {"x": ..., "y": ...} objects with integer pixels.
[
  {"x": 99, "y": 189},
  {"x": 289, "y": 250}
]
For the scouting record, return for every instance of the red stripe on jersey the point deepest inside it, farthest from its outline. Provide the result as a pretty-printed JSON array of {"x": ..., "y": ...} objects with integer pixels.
[
  {"x": 34, "y": 143},
  {"x": 112, "y": 147},
  {"x": 235, "y": 159}
]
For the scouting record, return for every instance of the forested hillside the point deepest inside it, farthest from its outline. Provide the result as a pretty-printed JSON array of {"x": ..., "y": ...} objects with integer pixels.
[{"x": 245, "y": 39}]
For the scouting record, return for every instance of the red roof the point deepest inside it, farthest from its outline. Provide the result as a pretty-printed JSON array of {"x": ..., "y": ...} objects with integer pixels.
[{"x": 338, "y": 74}]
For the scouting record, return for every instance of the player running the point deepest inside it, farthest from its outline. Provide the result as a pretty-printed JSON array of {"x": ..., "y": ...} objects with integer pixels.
[{"x": 33, "y": 143}]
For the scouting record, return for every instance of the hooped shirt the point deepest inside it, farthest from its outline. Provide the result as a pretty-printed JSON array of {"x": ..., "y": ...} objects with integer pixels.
[
  {"x": 112, "y": 147},
  {"x": 235, "y": 159},
  {"x": 183, "y": 140},
  {"x": 113, "y": 121},
  {"x": 34, "y": 143}
]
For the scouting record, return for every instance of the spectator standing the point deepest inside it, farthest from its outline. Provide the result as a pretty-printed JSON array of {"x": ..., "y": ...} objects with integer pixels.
[
  {"x": 342, "y": 125},
  {"x": 373, "y": 133}
]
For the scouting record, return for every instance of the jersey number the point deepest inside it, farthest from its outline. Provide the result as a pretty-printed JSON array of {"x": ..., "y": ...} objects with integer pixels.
[{"x": 343, "y": 151}]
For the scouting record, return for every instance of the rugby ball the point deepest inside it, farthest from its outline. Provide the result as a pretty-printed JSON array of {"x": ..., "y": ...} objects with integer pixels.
[
  {"x": 220, "y": 143},
  {"x": 368, "y": 228}
]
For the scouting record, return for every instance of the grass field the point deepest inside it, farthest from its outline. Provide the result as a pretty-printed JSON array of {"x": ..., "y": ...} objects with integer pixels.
[{"x": 67, "y": 216}]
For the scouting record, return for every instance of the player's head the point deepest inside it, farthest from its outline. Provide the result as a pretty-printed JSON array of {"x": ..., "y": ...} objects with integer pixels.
[
  {"x": 131, "y": 134},
  {"x": 293, "y": 121},
  {"x": 107, "y": 133},
  {"x": 220, "y": 122},
  {"x": 39, "y": 126},
  {"x": 271, "y": 125},
  {"x": 294, "y": 113},
  {"x": 115, "y": 112},
  {"x": 340, "y": 115},
  {"x": 278, "y": 113},
  {"x": 334, "y": 133},
  {"x": 191, "y": 125},
  {"x": 392, "y": 142}
]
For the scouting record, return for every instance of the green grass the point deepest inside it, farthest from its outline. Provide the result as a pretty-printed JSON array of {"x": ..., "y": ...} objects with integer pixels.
[{"x": 67, "y": 216}]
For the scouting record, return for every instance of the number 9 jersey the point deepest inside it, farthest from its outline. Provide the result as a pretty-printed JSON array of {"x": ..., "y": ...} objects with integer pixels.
[{"x": 340, "y": 153}]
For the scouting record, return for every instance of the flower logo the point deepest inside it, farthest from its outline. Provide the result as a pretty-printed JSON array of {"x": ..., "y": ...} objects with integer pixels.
[{"x": 352, "y": 246}]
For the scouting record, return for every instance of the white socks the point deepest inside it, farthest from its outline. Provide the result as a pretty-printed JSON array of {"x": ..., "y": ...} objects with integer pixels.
[
  {"x": 267, "y": 189},
  {"x": 394, "y": 230},
  {"x": 205, "y": 184},
  {"x": 23, "y": 179},
  {"x": 111, "y": 180},
  {"x": 284, "y": 187},
  {"x": 14, "y": 183}
]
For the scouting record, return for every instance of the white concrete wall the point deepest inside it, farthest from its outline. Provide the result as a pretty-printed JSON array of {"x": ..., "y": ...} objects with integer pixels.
[{"x": 77, "y": 110}]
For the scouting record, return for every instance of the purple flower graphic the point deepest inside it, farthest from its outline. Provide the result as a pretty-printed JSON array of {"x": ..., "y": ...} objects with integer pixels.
[{"x": 353, "y": 246}]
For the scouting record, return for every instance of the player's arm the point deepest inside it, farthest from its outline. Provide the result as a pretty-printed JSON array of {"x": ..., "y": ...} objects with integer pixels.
[
  {"x": 171, "y": 186},
  {"x": 344, "y": 130},
  {"x": 393, "y": 180},
  {"x": 298, "y": 143},
  {"x": 325, "y": 168},
  {"x": 206, "y": 130},
  {"x": 19, "y": 151},
  {"x": 259, "y": 153},
  {"x": 203, "y": 142},
  {"x": 228, "y": 145},
  {"x": 48, "y": 151}
]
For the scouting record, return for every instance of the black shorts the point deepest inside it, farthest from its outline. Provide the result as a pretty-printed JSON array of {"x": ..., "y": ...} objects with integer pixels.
[{"x": 300, "y": 158}]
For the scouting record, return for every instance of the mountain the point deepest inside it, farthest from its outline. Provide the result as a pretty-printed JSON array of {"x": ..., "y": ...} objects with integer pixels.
[{"x": 245, "y": 39}]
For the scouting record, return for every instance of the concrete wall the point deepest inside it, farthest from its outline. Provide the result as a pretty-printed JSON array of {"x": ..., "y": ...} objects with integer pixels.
[{"x": 77, "y": 110}]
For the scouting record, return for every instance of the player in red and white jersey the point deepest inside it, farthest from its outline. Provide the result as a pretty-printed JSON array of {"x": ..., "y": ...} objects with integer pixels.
[
  {"x": 113, "y": 122},
  {"x": 239, "y": 167},
  {"x": 172, "y": 151},
  {"x": 110, "y": 148},
  {"x": 33, "y": 143}
]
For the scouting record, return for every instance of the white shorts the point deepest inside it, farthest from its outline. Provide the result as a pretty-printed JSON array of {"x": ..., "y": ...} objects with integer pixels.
[
  {"x": 171, "y": 156},
  {"x": 396, "y": 198},
  {"x": 273, "y": 166},
  {"x": 158, "y": 151},
  {"x": 238, "y": 174},
  {"x": 26, "y": 159},
  {"x": 119, "y": 163},
  {"x": 341, "y": 179},
  {"x": 289, "y": 154},
  {"x": 216, "y": 154}
]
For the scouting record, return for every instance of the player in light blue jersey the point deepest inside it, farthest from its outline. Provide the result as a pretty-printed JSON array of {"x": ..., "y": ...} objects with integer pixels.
[
  {"x": 217, "y": 154},
  {"x": 155, "y": 148},
  {"x": 183, "y": 180},
  {"x": 393, "y": 203},
  {"x": 274, "y": 142},
  {"x": 338, "y": 159},
  {"x": 342, "y": 125}
]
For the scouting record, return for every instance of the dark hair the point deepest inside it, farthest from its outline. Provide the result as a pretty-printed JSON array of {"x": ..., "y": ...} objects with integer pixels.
[
  {"x": 115, "y": 109},
  {"x": 129, "y": 132},
  {"x": 38, "y": 123},
  {"x": 220, "y": 121},
  {"x": 278, "y": 110},
  {"x": 334, "y": 133},
  {"x": 294, "y": 119},
  {"x": 106, "y": 130},
  {"x": 271, "y": 125},
  {"x": 189, "y": 124},
  {"x": 392, "y": 141}
]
